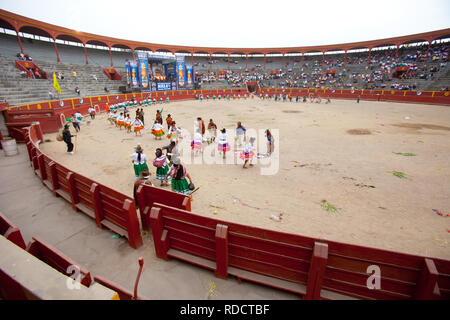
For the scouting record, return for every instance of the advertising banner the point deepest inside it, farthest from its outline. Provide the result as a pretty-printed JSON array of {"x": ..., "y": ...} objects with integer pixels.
[
  {"x": 170, "y": 69},
  {"x": 181, "y": 74},
  {"x": 127, "y": 68},
  {"x": 143, "y": 72},
  {"x": 134, "y": 75},
  {"x": 163, "y": 86},
  {"x": 189, "y": 76}
]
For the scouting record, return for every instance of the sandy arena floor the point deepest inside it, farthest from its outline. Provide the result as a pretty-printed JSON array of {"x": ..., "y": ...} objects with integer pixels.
[{"x": 318, "y": 160}]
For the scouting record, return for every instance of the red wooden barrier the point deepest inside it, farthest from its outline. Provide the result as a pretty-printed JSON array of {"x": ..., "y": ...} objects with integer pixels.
[
  {"x": 56, "y": 259},
  {"x": 311, "y": 267},
  {"x": 11, "y": 232},
  {"x": 109, "y": 208},
  {"x": 147, "y": 195}
]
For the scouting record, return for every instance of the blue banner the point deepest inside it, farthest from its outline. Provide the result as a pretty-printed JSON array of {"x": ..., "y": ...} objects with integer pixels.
[
  {"x": 163, "y": 86},
  {"x": 170, "y": 70},
  {"x": 127, "y": 68},
  {"x": 143, "y": 72},
  {"x": 134, "y": 75},
  {"x": 189, "y": 76},
  {"x": 181, "y": 79}
]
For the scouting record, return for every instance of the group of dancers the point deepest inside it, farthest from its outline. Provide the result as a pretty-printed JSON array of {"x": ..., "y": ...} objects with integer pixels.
[{"x": 288, "y": 97}]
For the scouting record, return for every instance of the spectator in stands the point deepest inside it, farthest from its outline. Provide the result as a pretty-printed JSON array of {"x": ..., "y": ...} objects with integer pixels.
[
  {"x": 77, "y": 90},
  {"x": 50, "y": 94},
  {"x": 67, "y": 137},
  {"x": 94, "y": 77},
  {"x": 23, "y": 74},
  {"x": 106, "y": 89}
]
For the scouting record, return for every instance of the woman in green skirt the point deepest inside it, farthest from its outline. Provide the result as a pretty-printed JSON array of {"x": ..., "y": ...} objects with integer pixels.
[
  {"x": 139, "y": 161},
  {"x": 162, "y": 166},
  {"x": 179, "y": 174}
]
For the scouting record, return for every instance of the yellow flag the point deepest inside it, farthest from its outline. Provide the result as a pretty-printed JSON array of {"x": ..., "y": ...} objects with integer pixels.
[{"x": 56, "y": 84}]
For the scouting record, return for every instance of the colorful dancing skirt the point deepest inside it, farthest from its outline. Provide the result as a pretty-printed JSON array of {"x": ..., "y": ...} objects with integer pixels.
[
  {"x": 138, "y": 168},
  {"x": 161, "y": 173},
  {"x": 180, "y": 186},
  {"x": 127, "y": 125},
  {"x": 172, "y": 135},
  {"x": 196, "y": 145},
  {"x": 247, "y": 155},
  {"x": 137, "y": 129},
  {"x": 158, "y": 133},
  {"x": 224, "y": 147},
  {"x": 120, "y": 123}
]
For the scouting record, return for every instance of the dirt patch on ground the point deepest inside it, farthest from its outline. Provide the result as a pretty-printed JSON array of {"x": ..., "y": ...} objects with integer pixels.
[
  {"x": 292, "y": 111},
  {"x": 359, "y": 131},
  {"x": 419, "y": 126}
]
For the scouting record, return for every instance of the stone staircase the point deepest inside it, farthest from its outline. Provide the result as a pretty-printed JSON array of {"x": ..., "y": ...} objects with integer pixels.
[{"x": 18, "y": 90}]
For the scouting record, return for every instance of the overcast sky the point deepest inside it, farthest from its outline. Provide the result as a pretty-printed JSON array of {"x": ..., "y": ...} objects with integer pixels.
[{"x": 240, "y": 23}]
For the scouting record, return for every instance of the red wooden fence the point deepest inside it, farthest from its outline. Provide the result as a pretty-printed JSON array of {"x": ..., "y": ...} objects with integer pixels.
[
  {"x": 109, "y": 208},
  {"x": 313, "y": 268}
]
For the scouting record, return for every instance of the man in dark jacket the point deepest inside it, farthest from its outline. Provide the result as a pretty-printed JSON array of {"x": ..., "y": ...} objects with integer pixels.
[{"x": 67, "y": 137}]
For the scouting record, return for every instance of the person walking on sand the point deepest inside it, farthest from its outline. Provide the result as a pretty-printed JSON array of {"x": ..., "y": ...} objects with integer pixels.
[
  {"x": 240, "y": 133},
  {"x": 223, "y": 145},
  {"x": 139, "y": 161},
  {"x": 212, "y": 129},
  {"x": 178, "y": 173},
  {"x": 75, "y": 122},
  {"x": 67, "y": 138},
  {"x": 162, "y": 166},
  {"x": 169, "y": 121},
  {"x": 137, "y": 126},
  {"x": 270, "y": 142},
  {"x": 247, "y": 154}
]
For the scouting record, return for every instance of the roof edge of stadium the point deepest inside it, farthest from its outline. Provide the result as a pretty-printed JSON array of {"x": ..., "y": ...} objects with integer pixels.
[{"x": 18, "y": 22}]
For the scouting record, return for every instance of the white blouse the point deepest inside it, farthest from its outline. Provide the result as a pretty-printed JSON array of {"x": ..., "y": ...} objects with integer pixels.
[{"x": 134, "y": 156}]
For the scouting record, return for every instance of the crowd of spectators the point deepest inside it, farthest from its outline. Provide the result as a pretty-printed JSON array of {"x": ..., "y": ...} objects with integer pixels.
[{"x": 380, "y": 70}]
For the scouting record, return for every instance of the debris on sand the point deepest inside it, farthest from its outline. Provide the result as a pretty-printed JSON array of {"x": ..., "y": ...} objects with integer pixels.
[
  {"x": 399, "y": 174},
  {"x": 407, "y": 154},
  {"x": 328, "y": 207},
  {"x": 359, "y": 132}
]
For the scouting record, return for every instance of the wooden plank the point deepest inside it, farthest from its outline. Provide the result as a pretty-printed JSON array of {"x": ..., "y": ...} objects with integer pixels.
[
  {"x": 201, "y": 262},
  {"x": 268, "y": 281},
  {"x": 267, "y": 269},
  {"x": 192, "y": 249},
  {"x": 405, "y": 274},
  {"x": 85, "y": 209},
  {"x": 63, "y": 194},
  {"x": 115, "y": 228},
  {"x": 284, "y": 249},
  {"x": 269, "y": 257}
]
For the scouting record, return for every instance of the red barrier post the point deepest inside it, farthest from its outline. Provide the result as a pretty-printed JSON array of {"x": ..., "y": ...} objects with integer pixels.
[
  {"x": 221, "y": 251},
  {"x": 316, "y": 271},
  {"x": 427, "y": 281},
  {"x": 157, "y": 230},
  {"x": 99, "y": 216},
  {"x": 72, "y": 189},
  {"x": 134, "y": 233},
  {"x": 41, "y": 165},
  {"x": 53, "y": 177}
]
